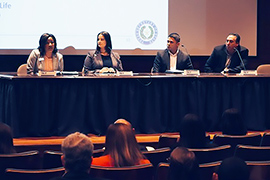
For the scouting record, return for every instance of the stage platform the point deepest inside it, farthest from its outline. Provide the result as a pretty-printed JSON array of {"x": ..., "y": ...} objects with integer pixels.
[{"x": 54, "y": 143}]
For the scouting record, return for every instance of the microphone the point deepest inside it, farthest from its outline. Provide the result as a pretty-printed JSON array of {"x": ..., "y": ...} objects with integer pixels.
[
  {"x": 187, "y": 54},
  {"x": 239, "y": 55}
]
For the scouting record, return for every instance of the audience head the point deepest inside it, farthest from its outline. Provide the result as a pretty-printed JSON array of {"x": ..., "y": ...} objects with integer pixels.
[
  {"x": 77, "y": 151},
  {"x": 123, "y": 121},
  {"x": 183, "y": 165},
  {"x": 45, "y": 41},
  {"x": 192, "y": 132},
  {"x": 6, "y": 139},
  {"x": 232, "y": 168},
  {"x": 122, "y": 145},
  {"x": 232, "y": 123},
  {"x": 104, "y": 41}
]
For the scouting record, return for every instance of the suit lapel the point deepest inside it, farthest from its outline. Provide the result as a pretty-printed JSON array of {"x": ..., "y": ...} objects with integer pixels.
[{"x": 167, "y": 57}]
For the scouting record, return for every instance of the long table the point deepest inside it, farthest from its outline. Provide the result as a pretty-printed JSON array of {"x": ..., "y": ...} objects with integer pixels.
[{"x": 153, "y": 103}]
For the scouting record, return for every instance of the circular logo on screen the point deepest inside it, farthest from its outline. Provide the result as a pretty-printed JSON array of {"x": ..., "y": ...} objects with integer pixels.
[{"x": 146, "y": 32}]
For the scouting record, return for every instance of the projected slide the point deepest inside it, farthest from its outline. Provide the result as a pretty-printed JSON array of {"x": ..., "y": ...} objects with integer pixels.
[
  {"x": 136, "y": 27},
  {"x": 132, "y": 24}
]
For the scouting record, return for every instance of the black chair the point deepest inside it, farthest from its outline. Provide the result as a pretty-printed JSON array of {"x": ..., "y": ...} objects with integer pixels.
[
  {"x": 167, "y": 140},
  {"x": 259, "y": 170},
  {"x": 250, "y": 139},
  {"x": 207, "y": 170},
  {"x": 253, "y": 153},
  {"x": 208, "y": 155},
  {"x": 162, "y": 172},
  {"x": 265, "y": 139},
  {"x": 27, "y": 174},
  {"x": 98, "y": 152},
  {"x": 25, "y": 160},
  {"x": 139, "y": 172},
  {"x": 158, "y": 155},
  {"x": 52, "y": 159}
]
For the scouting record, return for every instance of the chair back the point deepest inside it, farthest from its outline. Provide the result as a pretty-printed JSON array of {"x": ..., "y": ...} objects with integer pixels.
[
  {"x": 259, "y": 170},
  {"x": 167, "y": 140},
  {"x": 265, "y": 141},
  {"x": 162, "y": 172},
  {"x": 52, "y": 159},
  {"x": 22, "y": 70},
  {"x": 253, "y": 153},
  {"x": 207, "y": 155},
  {"x": 158, "y": 155},
  {"x": 207, "y": 170},
  {"x": 27, "y": 174},
  {"x": 98, "y": 152},
  {"x": 250, "y": 139},
  {"x": 139, "y": 172},
  {"x": 25, "y": 160},
  {"x": 263, "y": 69}
]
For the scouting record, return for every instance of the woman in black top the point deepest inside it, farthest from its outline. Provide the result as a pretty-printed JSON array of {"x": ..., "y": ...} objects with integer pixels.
[{"x": 103, "y": 56}]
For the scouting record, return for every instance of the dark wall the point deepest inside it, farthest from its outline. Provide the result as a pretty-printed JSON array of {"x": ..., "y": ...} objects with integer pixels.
[{"x": 144, "y": 63}]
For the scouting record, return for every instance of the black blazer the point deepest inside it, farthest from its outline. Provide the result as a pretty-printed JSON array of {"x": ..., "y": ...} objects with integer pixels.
[
  {"x": 216, "y": 62},
  {"x": 93, "y": 61},
  {"x": 162, "y": 61}
]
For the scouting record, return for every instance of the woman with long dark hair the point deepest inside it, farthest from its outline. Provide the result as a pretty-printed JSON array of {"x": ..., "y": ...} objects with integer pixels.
[
  {"x": 121, "y": 148},
  {"x": 103, "y": 56},
  {"x": 46, "y": 57}
]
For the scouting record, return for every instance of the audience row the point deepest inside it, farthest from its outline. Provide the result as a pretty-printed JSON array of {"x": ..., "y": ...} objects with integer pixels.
[{"x": 122, "y": 149}]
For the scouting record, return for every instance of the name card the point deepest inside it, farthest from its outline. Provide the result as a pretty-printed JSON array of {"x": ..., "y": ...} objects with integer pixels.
[
  {"x": 47, "y": 73},
  {"x": 125, "y": 73},
  {"x": 248, "y": 72},
  {"x": 192, "y": 72}
]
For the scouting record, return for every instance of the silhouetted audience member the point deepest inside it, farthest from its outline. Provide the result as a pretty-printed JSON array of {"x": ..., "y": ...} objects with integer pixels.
[
  {"x": 232, "y": 123},
  {"x": 192, "y": 133},
  {"x": 232, "y": 168},
  {"x": 77, "y": 151},
  {"x": 121, "y": 148},
  {"x": 183, "y": 165},
  {"x": 6, "y": 139}
]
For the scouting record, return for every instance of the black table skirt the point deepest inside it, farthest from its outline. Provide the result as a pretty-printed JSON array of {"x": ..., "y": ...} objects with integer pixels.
[{"x": 58, "y": 106}]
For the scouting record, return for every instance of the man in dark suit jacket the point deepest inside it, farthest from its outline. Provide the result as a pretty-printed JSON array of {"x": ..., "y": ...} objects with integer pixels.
[
  {"x": 172, "y": 58},
  {"x": 225, "y": 58}
]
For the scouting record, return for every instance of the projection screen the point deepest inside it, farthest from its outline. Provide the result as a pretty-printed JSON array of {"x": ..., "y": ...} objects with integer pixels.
[{"x": 137, "y": 27}]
